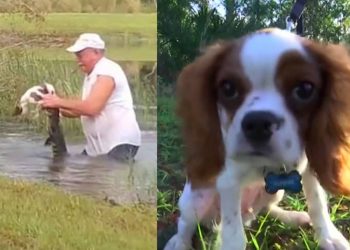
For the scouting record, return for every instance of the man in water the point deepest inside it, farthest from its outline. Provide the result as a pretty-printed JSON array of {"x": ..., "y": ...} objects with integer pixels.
[{"x": 106, "y": 108}]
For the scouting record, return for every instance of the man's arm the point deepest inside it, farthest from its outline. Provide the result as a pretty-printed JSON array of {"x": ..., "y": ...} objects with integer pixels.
[
  {"x": 68, "y": 113},
  {"x": 91, "y": 106}
]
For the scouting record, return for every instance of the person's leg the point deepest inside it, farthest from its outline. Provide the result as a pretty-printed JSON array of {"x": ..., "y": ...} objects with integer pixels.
[{"x": 123, "y": 152}]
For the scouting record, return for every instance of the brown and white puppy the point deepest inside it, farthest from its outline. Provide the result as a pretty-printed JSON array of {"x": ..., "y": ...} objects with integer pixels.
[{"x": 250, "y": 106}]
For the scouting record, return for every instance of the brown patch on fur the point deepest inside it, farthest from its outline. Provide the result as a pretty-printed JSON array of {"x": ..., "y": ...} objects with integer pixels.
[
  {"x": 294, "y": 68},
  {"x": 232, "y": 71},
  {"x": 197, "y": 91},
  {"x": 35, "y": 96},
  {"x": 43, "y": 89},
  {"x": 327, "y": 138}
]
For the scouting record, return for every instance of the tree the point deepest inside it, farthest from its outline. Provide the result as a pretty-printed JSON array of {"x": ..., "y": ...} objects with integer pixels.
[{"x": 186, "y": 26}]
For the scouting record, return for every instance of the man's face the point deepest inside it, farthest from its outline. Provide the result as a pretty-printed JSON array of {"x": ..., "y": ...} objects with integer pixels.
[{"x": 86, "y": 59}]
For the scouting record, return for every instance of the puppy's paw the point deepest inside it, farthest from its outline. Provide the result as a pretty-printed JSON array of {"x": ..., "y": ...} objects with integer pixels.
[
  {"x": 334, "y": 240},
  {"x": 299, "y": 218},
  {"x": 293, "y": 218},
  {"x": 334, "y": 244},
  {"x": 177, "y": 243},
  {"x": 233, "y": 245}
]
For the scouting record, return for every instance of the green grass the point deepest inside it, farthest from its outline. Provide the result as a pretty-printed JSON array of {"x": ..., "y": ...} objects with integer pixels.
[
  {"x": 38, "y": 216},
  {"x": 266, "y": 233},
  {"x": 168, "y": 132},
  {"x": 128, "y": 37},
  {"x": 74, "y": 23}
]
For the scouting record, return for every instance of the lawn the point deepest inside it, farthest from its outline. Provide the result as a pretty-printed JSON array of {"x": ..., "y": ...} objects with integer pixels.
[
  {"x": 38, "y": 216},
  {"x": 70, "y": 24}
]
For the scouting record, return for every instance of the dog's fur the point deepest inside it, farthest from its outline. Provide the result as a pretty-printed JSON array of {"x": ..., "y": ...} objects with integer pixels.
[{"x": 33, "y": 96}]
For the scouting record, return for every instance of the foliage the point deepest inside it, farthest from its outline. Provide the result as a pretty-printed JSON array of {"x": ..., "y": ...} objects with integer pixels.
[
  {"x": 41, "y": 7},
  {"x": 328, "y": 20},
  {"x": 186, "y": 26},
  {"x": 67, "y": 5},
  {"x": 169, "y": 139}
]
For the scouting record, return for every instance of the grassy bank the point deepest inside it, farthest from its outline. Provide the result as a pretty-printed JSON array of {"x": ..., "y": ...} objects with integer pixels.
[
  {"x": 129, "y": 37},
  {"x": 37, "y": 216},
  {"x": 68, "y": 24},
  {"x": 266, "y": 233}
]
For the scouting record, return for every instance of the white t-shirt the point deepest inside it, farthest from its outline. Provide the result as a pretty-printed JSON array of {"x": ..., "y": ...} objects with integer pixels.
[{"x": 116, "y": 124}]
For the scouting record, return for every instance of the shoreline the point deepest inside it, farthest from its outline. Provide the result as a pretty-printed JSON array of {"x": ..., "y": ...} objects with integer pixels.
[{"x": 41, "y": 216}]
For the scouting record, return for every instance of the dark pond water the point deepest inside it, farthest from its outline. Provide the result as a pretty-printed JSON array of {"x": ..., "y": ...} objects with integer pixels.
[{"x": 23, "y": 155}]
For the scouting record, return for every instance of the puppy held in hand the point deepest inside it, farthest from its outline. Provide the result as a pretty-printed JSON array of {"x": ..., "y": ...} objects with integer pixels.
[
  {"x": 56, "y": 138},
  {"x": 33, "y": 96}
]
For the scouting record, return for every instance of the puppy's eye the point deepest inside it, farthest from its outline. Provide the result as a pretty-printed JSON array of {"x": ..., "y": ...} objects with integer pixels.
[
  {"x": 228, "y": 89},
  {"x": 304, "y": 91}
]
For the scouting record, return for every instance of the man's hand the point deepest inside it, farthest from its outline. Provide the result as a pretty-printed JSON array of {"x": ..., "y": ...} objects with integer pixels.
[
  {"x": 50, "y": 101},
  {"x": 91, "y": 106}
]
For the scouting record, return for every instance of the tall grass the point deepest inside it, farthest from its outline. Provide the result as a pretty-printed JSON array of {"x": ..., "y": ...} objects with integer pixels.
[
  {"x": 119, "y": 52},
  {"x": 64, "y": 24},
  {"x": 21, "y": 70}
]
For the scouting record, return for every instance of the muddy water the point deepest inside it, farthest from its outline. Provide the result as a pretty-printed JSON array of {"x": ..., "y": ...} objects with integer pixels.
[{"x": 23, "y": 155}]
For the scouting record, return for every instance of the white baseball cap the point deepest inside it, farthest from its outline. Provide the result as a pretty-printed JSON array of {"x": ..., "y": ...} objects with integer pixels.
[{"x": 87, "y": 40}]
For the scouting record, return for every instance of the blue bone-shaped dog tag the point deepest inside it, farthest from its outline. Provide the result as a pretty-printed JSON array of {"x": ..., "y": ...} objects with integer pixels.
[{"x": 290, "y": 182}]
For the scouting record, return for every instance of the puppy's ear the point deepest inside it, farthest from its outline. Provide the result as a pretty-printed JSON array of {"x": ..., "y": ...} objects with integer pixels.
[
  {"x": 197, "y": 108},
  {"x": 328, "y": 137},
  {"x": 43, "y": 89},
  {"x": 37, "y": 97},
  {"x": 49, "y": 88}
]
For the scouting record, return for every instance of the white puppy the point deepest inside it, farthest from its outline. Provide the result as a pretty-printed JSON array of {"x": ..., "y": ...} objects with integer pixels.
[{"x": 33, "y": 96}]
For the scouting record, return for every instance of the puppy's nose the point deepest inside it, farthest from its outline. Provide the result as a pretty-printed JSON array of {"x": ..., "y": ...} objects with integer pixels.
[{"x": 258, "y": 126}]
